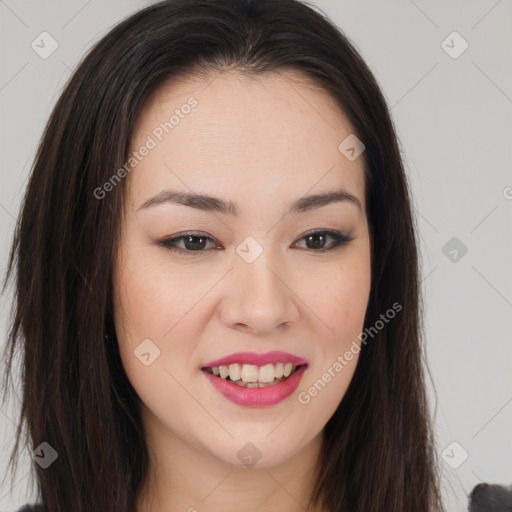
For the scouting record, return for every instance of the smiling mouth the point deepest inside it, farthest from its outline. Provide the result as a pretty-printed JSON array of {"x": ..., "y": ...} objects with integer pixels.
[{"x": 252, "y": 376}]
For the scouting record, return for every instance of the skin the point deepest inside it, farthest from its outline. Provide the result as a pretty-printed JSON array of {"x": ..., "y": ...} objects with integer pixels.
[{"x": 261, "y": 143}]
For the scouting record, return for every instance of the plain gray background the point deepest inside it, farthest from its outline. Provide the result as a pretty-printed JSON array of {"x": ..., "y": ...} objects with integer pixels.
[{"x": 452, "y": 111}]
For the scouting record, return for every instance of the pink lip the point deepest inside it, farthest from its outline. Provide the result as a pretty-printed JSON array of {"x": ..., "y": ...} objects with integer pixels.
[
  {"x": 275, "y": 356},
  {"x": 256, "y": 397}
]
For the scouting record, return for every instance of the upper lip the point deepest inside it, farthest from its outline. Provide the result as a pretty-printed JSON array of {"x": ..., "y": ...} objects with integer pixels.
[{"x": 257, "y": 359}]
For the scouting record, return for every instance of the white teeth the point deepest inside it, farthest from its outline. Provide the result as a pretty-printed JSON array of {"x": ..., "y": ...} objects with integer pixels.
[
  {"x": 266, "y": 373},
  {"x": 288, "y": 367},
  {"x": 253, "y": 376},
  {"x": 243, "y": 384},
  {"x": 224, "y": 371},
  {"x": 249, "y": 373},
  {"x": 234, "y": 371}
]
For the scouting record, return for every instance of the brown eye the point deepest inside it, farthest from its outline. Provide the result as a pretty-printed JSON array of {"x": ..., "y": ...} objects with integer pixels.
[
  {"x": 192, "y": 243},
  {"x": 197, "y": 243},
  {"x": 316, "y": 240}
]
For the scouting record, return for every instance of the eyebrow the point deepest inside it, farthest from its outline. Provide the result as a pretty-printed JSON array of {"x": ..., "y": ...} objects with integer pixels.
[{"x": 208, "y": 203}]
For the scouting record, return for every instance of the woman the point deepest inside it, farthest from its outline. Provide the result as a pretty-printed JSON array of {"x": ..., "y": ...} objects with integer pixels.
[{"x": 216, "y": 275}]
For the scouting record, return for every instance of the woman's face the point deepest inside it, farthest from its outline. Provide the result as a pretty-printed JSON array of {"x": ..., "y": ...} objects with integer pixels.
[{"x": 250, "y": 280}]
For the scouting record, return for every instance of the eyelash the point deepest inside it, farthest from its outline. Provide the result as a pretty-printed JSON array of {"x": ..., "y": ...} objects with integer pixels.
[{"x": 339, "y": 241}]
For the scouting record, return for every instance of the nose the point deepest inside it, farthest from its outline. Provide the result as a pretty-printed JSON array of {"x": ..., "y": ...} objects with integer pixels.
[{"x": 259, "y": 297}]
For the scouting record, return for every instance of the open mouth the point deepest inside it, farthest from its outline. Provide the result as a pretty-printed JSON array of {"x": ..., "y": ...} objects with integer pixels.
[{"x": 252, "y": 376}]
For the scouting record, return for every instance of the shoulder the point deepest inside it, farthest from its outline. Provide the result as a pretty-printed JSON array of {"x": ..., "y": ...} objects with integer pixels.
[
  {"x": 31, "y": 508},
  {"x": 490, "y": 498}
]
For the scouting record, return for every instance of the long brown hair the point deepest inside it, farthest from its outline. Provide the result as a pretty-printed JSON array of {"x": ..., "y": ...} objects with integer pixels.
[{"x": 378, "y": 451}]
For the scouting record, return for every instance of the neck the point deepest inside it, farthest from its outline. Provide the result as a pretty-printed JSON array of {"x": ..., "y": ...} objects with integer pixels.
[{"x": 185, "y": 478}]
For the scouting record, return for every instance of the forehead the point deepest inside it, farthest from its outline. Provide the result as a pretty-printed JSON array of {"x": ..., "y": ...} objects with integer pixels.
[{"x": 243, "y": 135}]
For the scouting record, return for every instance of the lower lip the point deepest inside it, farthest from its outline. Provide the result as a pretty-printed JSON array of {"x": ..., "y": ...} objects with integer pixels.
[{"x": 257, "y": 397}]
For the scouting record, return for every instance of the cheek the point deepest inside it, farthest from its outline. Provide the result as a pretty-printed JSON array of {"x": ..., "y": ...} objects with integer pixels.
[
  {"x": 340, "y": 305},
  {"x": 157, "y": 311},
  {"x": 154, "y": 298},
  {"x": 338, "y": 294},
  {"x": 155, "y": 342}
]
